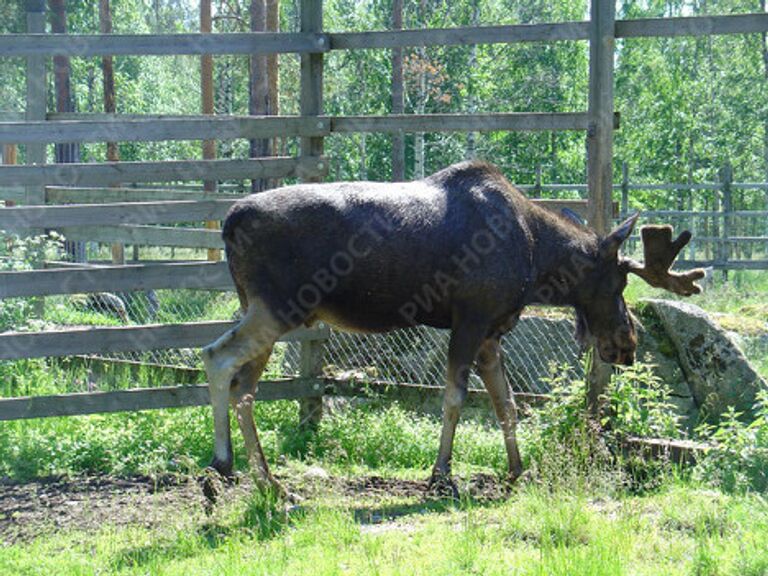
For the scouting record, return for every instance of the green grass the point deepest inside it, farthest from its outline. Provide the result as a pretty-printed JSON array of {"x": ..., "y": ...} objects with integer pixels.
[{"x": 680, "y": 530}]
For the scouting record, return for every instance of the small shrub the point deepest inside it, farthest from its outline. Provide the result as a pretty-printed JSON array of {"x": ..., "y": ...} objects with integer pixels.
[
  {"x": 638, "y": 404},
  {"x": 740, "y": 462}
]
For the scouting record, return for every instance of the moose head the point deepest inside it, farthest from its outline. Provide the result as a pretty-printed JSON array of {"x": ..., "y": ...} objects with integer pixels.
[{"x": 601, "y": 313}]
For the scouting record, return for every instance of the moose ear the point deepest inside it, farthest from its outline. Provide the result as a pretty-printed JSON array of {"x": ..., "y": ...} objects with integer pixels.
[
  {"x": 609, "y": 246},
  {"x": 572, "y": 216}
]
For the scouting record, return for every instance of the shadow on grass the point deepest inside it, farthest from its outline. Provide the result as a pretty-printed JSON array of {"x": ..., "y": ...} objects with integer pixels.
[{"x": 264, "y": 517}]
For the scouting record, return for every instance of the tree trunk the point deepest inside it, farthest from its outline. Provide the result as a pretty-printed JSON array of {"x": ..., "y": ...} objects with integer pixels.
[
  {"x": 208, "y": 107},
  {"x": 765, "y": 120},
  {"x": 471, "y": 150},
  {"x": 110, "y": 107},
  {"x": 258, "y": 102},
  {"x": 67, "y": 152},
  {"x": 398, "y": 101}
]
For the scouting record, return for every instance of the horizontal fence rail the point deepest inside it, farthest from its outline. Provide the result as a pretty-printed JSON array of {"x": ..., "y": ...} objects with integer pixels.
[
  {"x": 131, "y": 129},
  {"x": 87, "y": 45},
  {"x": 147, "y": 236},
  {"x": 198, "y": 275},
  {"x": 77, "y": 404},
  {"x": 159, "y": 128},
  {"x": 106, "y": 340},
  {"x": 63, "y": 216},
  {"x": 172, "y": 170}
]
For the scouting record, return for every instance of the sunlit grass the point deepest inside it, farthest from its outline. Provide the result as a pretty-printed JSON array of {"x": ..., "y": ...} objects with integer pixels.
[{"x": 680, "y": 530}]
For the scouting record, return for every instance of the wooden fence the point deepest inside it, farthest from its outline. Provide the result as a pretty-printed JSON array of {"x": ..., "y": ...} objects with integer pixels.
[{"x": 102, "y": 205}]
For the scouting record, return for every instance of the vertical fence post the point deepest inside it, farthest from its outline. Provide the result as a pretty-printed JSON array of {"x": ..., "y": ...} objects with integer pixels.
[
  {"x": 537, "y": 183},
  {"x": 624, "y": 189},
  {"x": 398, "y": 99},
  {"x": 600, "y": 152},
  {"x": 110, "y": 105},
  {"x": 36, "y": 108},
  {"x": 37, "y": 84},
  {"x": 311, "y": 409},
  {"x": 726, "y": 179},
  {"x": 10, "y": 157},
  {"x": 311, "y": 367},
  {"x": 208, "y": 107}
]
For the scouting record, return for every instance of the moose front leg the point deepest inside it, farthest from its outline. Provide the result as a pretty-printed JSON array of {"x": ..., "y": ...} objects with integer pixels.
[
  {"x": 490, "y": 366},
  {"x": 465, "y": 341}
]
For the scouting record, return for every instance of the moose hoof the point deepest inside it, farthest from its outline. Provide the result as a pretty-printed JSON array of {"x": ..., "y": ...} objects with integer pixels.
[
  {"x": 213, "y": 480},
  {"x": 442, "y": 486}
]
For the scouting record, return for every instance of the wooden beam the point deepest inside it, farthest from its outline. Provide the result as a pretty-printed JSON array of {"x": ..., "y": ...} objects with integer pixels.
[
  {"x": 600, "y": 158},
  {"x": 692, "y": 26},
  {"x": 88, "y": 45},
  {"x": 85, "y": 195},
  {"x": 56, "y": 217},
  {"x": 160, "y": 128},
  {"x": 176, "y": 170},
  {"x": 112, "y": 339},
  {"x": 148, "y": 236},
  {"x": 36, "y": 98},
  {"x": 197, "y": 275},
  {"x": 460, "y": 36},
  {"x": 463, "y": 122},
  {"x": 144, "y": 399}
]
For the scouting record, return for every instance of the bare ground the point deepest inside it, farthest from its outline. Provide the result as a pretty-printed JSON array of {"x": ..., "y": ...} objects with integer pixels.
[{"x": 33, "y": 509}]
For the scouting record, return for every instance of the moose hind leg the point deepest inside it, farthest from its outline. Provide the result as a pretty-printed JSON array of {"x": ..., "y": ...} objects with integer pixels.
[
  {"x": 242, "y": 396},
  {"x": 490, "y": 367},
  {"x": 464, "y": 343},
  {"x": 251, "y": 338}
]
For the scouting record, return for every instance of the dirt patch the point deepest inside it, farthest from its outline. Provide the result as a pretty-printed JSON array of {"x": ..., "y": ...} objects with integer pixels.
[{"x": 33, "y": 509}]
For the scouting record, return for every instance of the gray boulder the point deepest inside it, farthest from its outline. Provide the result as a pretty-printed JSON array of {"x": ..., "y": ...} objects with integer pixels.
[
  {"x": 656, "y": 349},
  {"x": 717, "y": 372}
]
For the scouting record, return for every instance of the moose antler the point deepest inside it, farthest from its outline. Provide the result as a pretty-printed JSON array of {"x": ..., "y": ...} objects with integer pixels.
[{"x": 660, "y": 252}]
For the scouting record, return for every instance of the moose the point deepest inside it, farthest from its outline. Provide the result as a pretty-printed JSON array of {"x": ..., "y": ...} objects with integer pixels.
[{"x": 462, "y": 249}]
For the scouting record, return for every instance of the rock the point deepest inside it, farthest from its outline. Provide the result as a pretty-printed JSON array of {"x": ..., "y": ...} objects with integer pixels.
[
  {"x": 654, "y": 348},
  {"x": 314, "y": 473},
  {"x": 718, "y": 373}
]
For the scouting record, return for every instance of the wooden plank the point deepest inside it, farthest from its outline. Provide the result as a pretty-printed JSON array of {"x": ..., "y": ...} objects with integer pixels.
[
  {"x": 723, "y": 265},
  {"x": 13, "y": 193},
  {"x": 414, "y": 393},
  {"x": 580, "y": 207},
  {"x": 112, "y": 339},
  {"x": 704, "y": 213},
  {"x": 197, "y": 275},
  {"x": 176, "y": 170},
  {"x": 692, "y": 26},
  {"x": 460, "y": 36},
  {"x": 36, "y": 98},
  {"x": 600, "y": 157},
  {"x": 87, "y": 45},
  {"x": 161, "y": 128},
  {"x": 144, "y": 399},
  {"x": 147, "y": 236},
  {"x": 67, "y": 195},
  {"x": 56, "y": 217},
  {"x": 397, "y": 123},
  {"x": 675, "y": 451}
]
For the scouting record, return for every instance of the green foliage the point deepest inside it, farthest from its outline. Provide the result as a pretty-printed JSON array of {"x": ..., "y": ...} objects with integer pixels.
[
  {"x": 24, "y": 254},
  {"x": 638, "y": 404},
  {"x": 739, "y": 463},
  {"x": 564, "y": 447}
]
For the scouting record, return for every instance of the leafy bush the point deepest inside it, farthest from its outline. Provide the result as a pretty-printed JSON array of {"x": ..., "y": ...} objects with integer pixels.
[
  {"x": 638, "y": 404},
  {"x": 566, "y": 448},
  {"x": 740, "y": 461},
  {"x": 24, "y": 254}
]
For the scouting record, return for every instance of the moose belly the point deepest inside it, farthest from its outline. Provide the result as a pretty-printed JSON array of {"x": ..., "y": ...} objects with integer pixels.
[{"x": 370, "y": 313}]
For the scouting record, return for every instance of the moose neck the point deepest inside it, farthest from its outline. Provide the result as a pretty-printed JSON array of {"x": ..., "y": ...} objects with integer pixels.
[{"x": 563, "y": 255}]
